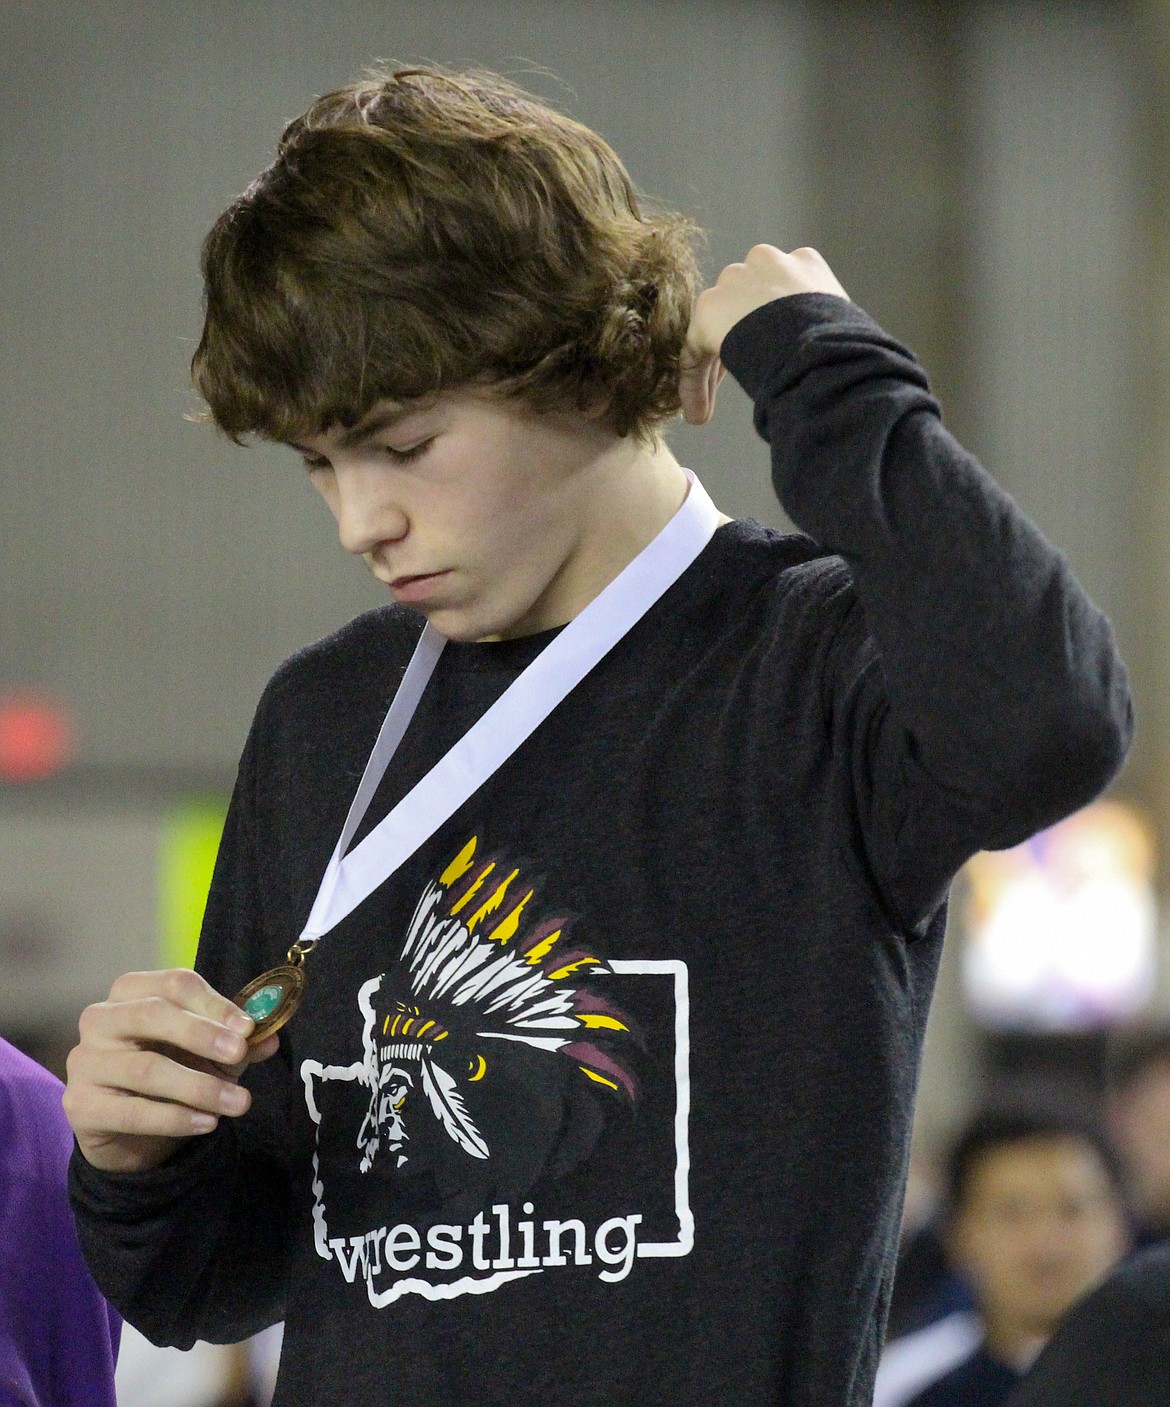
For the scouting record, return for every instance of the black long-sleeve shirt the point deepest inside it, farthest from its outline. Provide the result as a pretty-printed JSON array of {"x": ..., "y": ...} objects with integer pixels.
[{"x": 728, "y": 852}]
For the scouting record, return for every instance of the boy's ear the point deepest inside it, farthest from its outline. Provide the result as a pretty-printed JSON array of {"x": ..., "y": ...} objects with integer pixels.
[{"x": 698, "y": 385}]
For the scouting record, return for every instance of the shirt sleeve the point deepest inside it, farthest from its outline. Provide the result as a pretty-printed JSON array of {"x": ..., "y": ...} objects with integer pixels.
[
  {"x": 58, "y": 1336},
  {"x": 197, "y": 1248},
  {"x": 974, "y": 686}
]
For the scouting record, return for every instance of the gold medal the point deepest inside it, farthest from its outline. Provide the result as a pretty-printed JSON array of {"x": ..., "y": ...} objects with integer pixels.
[{"x": 272, "y": 999}]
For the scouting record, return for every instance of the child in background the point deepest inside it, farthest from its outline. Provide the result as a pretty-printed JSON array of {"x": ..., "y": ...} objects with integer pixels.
[
  {"x": 1113, "y": 1349},
  {"x": 1035, "y": 1219}
]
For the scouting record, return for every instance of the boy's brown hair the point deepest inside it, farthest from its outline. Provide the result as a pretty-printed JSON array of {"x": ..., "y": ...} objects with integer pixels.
[{"x": 423, "y": 230}]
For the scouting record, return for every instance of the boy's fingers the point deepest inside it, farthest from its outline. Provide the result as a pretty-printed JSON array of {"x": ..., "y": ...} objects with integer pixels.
[
  {"x": 153, "y": 1022},
  {"x": 766, "y": 273},
  {"x": 184, "y": 989},
  {"x": 118, "y": 1114},
  {"x": 154, "y": 1075},
  {"x": 262, "y": 1050},
  {"x": 157, "y": 1061},
  {"x": 122, "y": 1092}
]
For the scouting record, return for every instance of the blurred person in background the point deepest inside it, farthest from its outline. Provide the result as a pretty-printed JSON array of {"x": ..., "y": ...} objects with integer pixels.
[
  {"x": 1113, "y": 1348},
  {"x": 1138, "y": 1111},
  {"x": 926, "y": 1288},
  {"x": 58, "y": 1336},
  {"x": 1035, "y": 1218}
]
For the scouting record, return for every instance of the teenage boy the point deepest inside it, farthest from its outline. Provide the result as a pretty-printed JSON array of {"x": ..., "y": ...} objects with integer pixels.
[
  {"x": 1036, "y": 1219},
  {"x": 612, "y": 992}
]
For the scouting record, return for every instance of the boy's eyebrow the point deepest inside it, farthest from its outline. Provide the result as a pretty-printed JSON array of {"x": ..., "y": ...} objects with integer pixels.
[{"x": 373, "y": 424}]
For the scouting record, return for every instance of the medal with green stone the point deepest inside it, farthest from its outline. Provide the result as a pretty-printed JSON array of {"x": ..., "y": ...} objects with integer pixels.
[{"x": 272, "y": 999}]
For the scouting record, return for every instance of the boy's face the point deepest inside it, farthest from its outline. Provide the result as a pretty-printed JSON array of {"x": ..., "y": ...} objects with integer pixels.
[
  {"x": 489, "y": 519},
  {"x": 1040, "y": 1224}
]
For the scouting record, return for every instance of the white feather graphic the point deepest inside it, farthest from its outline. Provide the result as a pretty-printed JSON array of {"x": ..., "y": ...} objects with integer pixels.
[{"x": 450, "y": 1109}]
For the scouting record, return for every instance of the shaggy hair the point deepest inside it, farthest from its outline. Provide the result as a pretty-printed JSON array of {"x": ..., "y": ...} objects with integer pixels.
[
  {"x": 423, "y": 230},
  {"x": 1010, "y": 1125}
]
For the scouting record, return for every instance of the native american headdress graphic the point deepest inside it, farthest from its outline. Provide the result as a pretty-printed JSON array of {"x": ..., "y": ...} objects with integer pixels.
[{"x": 476, "y": 977}]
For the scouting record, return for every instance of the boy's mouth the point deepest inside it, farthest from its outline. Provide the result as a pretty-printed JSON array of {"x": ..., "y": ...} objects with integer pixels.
[{"x": 412, "y": 589}]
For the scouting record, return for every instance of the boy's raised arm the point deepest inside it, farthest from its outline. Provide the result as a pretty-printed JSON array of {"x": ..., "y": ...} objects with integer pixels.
[{"x": 977, "y": 686}]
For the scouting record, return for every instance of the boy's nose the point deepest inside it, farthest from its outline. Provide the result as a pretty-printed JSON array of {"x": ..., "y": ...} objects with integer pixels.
[{"x": 365, "y": 514}]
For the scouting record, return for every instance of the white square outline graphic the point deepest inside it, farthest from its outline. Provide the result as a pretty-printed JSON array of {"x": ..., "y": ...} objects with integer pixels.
[
  {"x": 326, "y": 1246},
  {"x": 682, "y": 1086}
]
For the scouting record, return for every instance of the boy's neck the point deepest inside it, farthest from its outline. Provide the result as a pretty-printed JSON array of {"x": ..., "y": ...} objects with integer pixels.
[{"x": 628, "y": 496}]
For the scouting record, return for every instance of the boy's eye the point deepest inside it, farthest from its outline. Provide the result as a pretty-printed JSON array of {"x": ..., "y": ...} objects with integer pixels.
[
  {"x": 404, "y": 456},
  {"x": 316, "y": 463}
]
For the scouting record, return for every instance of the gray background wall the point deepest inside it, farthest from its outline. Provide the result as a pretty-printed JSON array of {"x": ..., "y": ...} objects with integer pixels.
[{"x": 983, "y": 177}]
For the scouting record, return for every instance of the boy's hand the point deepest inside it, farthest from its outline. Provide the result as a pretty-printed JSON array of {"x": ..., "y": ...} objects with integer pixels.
[
  {"x": 156, "y": 1063},
  {"x": 765, "y": 275}
]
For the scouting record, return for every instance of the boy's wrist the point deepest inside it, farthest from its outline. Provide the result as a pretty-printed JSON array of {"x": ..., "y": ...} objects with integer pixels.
[
  {"x": 119, "y": 1193},
  {"x": 765, "y": 276},
  {"x": 762, "y": 340}
]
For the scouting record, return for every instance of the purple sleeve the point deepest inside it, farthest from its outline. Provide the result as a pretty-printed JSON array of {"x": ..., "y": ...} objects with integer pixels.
[{"x": 58, "y": 1335}]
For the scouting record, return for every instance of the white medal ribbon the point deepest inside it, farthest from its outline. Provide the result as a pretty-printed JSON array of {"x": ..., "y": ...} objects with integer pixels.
[{"x": 351, "y": 877}]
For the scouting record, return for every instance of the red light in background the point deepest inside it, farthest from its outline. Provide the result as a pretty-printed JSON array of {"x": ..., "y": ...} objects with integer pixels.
[{"x": 36, "y": 737}]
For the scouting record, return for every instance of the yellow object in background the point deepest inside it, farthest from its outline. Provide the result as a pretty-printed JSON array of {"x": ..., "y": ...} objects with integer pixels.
[{"x": 187, "y": 849}]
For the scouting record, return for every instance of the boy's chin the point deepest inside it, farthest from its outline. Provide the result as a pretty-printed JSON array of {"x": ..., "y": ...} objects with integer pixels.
[{"x": 463, "y": 629}]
